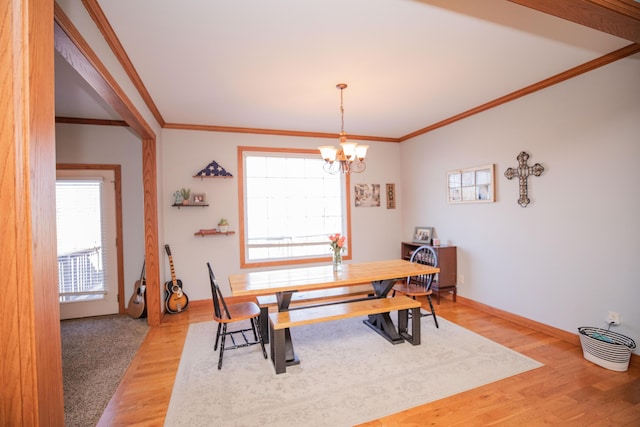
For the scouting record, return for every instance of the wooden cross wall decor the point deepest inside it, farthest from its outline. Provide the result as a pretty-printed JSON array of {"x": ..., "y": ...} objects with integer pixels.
[{"x": 523, "y": 171}]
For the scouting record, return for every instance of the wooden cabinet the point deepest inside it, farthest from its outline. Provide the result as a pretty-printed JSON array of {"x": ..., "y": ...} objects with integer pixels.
[{"x": 446, "y": 280}]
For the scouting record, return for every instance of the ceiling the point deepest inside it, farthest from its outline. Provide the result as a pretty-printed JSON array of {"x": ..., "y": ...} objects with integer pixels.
[{"x": 275, "y": 64}]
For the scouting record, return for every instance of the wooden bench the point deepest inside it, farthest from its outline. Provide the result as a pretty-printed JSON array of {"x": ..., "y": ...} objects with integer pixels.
[
  {"x": 282, "y": 353},
  {"x": 310, "y": 298}
]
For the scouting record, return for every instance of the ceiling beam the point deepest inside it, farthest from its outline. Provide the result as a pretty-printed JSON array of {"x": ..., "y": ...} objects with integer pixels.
[
  {"x": 101, "y": 21},
  {"x": 258, "y": 131},
  {"x": 631, "y": 49},
  {"x": 620, "y": 18},
  {"x": 77, "y": 52}
]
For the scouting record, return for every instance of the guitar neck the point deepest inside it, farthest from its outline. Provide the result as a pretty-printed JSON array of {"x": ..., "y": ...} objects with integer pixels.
[{"x": 173, "y": 271}]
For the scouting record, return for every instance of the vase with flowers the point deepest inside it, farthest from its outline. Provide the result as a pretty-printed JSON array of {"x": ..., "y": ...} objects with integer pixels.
[{"x": 337, "y": 246}]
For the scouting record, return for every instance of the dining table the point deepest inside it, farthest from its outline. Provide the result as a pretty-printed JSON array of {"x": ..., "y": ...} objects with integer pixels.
[{"x": 285, "y": 282}]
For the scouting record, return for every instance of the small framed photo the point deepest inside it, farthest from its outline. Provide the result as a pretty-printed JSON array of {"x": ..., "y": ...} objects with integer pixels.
[
  {"x": 391, "y": 196},
  {"x": 423, "y": 235},
  {"x": 199, "y": 198}
]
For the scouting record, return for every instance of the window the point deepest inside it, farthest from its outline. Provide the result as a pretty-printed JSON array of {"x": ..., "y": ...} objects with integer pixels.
[
  {"x": 80, "y": 235},
  {"x": 289, "y": 207},
  {"x": 470, "y": 185}
]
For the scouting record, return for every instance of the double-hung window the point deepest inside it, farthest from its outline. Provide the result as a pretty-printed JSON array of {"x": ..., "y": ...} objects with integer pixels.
[{"x": 289, "y": 207}]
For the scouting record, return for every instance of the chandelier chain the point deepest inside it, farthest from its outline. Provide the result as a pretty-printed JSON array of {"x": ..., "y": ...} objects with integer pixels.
[{"x": 341, "y": 111}]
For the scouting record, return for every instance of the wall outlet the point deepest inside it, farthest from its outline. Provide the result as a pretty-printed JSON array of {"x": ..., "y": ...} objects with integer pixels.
[
  {"x": 461, "y": 279},
  {"x": 613, "y": 318}
]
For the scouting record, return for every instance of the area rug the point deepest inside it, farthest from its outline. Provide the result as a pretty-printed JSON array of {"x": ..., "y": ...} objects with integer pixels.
[
  {"x": 96, "y": 353},
  {"x": 348, "y": 375}
]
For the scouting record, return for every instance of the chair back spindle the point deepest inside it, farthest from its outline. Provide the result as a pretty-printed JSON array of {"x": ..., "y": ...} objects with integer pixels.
[
  {"x": 218, "y": 299},
  {"x": 425, "y": 255}
]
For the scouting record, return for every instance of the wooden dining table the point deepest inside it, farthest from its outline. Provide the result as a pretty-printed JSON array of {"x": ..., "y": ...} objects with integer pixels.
[{"x": 285, "y": 282}]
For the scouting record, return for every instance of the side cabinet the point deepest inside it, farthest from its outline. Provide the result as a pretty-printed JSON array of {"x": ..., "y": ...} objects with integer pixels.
[{"x": 446, "y": 281}]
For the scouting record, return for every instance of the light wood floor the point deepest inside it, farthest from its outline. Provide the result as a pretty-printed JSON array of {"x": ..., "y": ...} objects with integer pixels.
[{"x": 567, "y": 391}]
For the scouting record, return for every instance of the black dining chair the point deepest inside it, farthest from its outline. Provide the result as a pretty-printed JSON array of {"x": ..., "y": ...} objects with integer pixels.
[
  {"x": 420, "y": 286},
  {"x": 224, "y": 314}
]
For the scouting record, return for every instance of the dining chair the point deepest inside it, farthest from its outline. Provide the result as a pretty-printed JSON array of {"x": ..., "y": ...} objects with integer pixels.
[
  {"x": 224, "y": 314},
  {"x": 420, "y": 286}
]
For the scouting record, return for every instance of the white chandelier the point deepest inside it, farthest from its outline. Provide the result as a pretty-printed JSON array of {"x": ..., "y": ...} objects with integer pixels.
[{"x": 350, "y": 156}]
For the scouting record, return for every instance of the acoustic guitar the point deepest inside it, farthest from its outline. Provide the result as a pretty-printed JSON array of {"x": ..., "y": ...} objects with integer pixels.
[
  {"x": 137, "y": 307},
  {"x": 176, "y": 300}
]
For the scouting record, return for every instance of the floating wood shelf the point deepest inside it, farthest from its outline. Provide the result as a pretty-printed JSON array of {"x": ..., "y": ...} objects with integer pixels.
[
  {"x": 210, "y": 231},
  {"x": 190, "y": 205},
  {"x": 211, "y": 176}
]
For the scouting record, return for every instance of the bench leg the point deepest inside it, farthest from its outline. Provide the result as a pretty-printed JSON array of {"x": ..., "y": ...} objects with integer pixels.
[
  {"x": 415, "y": 326},
  {"x": 403, "y": 320},
  {"x": 263, "y": 320},
  {"x": 278, "y": 350},
  {"x": 281, "y": 347}
]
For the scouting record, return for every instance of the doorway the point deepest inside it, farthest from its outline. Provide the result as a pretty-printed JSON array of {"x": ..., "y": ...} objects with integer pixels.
[{"x": 87, "y": 232}]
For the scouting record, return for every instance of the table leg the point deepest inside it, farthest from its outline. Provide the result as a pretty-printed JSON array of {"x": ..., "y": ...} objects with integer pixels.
[
  {"x": 383, "y": 287},
  {"x": 286, "y": 346},
  {"x": 382, "y": 323}
]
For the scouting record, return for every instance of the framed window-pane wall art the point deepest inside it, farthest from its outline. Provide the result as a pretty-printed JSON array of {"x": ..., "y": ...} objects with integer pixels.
[{"x": 471, "y": 185}]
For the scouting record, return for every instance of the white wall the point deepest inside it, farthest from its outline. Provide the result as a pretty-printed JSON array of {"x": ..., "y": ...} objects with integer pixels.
[
  {"x": 112, "y": 145},
  {"x": 573, "y": 254},
  {"x": 375, "y": 230}
]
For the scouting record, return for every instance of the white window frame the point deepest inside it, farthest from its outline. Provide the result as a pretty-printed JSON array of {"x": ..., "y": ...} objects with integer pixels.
[
  {"x": 84, "y": 277},
  {"x": 245, "y": 260},
  {"x": 471, "y": 185}
]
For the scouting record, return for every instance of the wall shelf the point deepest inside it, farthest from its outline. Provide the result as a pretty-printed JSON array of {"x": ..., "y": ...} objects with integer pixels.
[
  {"x": 211, "y": 231},
  {"x": 211, "y": 176},
  {"x": 189, "y": 206}
]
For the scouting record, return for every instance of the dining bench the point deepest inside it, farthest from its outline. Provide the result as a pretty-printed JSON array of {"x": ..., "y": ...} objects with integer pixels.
[
  {"x": 310, "y": 298},
  {"x": 375, "y": 308}
]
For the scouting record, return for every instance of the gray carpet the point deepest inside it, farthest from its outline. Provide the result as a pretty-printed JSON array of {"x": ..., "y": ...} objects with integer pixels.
[
  {"x": 96, "y": 353},
  {"x": 348, "y": 375}
]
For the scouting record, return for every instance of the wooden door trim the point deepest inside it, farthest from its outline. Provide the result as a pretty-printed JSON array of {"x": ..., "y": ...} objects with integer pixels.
[{"x": 77, "y": 52}]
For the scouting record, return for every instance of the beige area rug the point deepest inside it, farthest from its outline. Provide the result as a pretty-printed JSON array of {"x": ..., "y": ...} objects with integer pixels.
[{"x": 348, "y": 375}]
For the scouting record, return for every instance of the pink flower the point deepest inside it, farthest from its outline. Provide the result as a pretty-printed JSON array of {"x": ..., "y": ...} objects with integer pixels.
[{"x": 337, "y": 242}]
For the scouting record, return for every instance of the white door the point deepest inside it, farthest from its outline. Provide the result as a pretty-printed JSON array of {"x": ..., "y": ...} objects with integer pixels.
[{"x": 87, "y": 252}]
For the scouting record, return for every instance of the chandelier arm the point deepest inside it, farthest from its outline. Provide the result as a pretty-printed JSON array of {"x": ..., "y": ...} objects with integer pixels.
[{"x": 353, "y": 159}]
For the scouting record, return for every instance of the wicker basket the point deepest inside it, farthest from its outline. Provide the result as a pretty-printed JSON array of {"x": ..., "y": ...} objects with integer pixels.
[{"x": 605, "y": 348}]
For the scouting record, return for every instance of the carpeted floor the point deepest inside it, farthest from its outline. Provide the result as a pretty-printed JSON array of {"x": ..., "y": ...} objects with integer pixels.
[
  {"x": 96, "y": 353},
  {"x": 348, "y": 375}
]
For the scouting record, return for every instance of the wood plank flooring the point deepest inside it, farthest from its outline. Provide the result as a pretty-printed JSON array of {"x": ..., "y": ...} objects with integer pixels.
[{"x": 567, "y": 391}]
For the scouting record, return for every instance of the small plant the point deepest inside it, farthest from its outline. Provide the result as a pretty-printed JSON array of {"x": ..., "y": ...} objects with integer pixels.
[
  {"x": 186, "y": 193},
  {"x": 223, "y": 225}
]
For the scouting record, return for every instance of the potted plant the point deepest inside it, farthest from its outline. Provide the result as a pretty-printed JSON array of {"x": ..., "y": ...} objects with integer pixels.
[
  {"x": 186, "y": 193},
  {"x": 223, "y": 225}
]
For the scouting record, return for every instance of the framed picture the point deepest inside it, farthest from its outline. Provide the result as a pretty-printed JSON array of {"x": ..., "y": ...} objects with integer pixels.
[
  {"x": 423, "y": 235},
  {"x": 199, "y": 198},
  {"x": 471, "y": 185},
  {"x": 391, "y": 196},
  {"x": 367, "y": 195}
]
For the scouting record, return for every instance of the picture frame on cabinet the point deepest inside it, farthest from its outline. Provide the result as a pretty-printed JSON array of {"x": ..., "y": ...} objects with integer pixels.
[{"x": 423, "y": 235}]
